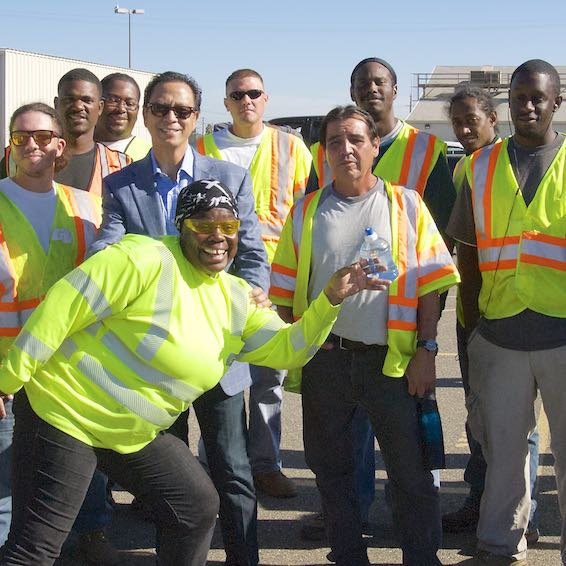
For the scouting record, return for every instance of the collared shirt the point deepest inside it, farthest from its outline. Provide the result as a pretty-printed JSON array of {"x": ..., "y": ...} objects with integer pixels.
[{"x": 169, "y": 190}]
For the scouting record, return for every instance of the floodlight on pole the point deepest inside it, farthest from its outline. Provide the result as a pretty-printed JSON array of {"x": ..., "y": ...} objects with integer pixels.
[{"x": 138, "y": 11}]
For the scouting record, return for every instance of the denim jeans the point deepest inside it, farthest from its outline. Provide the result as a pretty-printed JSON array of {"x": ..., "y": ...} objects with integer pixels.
[
  {"x": 6, "y": 431},
  {"x": 265, "y": 419},
  {"x": 335, "y": 382},
  {"x": 55, "y": 471},
  {"x": 222, "y": 421}
]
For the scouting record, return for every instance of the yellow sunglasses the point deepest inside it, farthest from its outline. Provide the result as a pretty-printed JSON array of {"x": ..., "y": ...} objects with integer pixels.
[{"x": 228, "y": 227}]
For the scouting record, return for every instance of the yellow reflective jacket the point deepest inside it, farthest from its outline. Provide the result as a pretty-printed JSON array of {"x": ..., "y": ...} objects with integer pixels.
[
  {"x": 280, "y": 171},
  {"x": 129, "y": 339},
  {"x": 521, "y": 249},
  {"x": 418, "y": 250},
  {"x": 26, "y": 271},
  {"x": 408, "y": 162}
]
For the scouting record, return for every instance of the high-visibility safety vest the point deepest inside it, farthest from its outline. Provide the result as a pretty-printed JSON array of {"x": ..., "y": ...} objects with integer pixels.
[
  {"x": 107, "y": 161},
  {"x": 125, "y": 342},
  {"x": 26, "y": 271},
  {"x": 280, "y": 171},
  {"x": 408, "y": 162},
  {"x": 418, "y": 250},
  {"x": 521, "y": 249},
  {"x": 137, "y": 148}
]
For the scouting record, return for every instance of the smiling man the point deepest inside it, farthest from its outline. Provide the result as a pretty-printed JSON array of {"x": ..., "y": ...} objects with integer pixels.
[
  {"x": 121, "y": 98},
  {"x": 279, "y": 164},
  {"x": 46, "y": 228},
  {"x": 510, "y": 224},
  {"x": 79, "y": 105},
  {"x": 141, "y": 199}
]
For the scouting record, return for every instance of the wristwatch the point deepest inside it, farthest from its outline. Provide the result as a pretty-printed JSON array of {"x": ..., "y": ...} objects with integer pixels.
[{"x": 428, "y": 345}]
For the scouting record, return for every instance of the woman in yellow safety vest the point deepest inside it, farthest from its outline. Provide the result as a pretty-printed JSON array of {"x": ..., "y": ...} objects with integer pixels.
[{"x": 117, "y": 350}]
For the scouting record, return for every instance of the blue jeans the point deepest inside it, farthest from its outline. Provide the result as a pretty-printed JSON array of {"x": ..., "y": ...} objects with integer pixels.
[
  {"x": 222, "y": 421},
  {"x": 6, "y": 432},
  {"x": 335, "y": 382},
  {"x": 265, "y": 419}
]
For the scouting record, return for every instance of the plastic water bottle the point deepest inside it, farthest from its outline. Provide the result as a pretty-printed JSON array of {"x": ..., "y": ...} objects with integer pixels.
[
  {"x": 377, "y": 252},
  {"x": 430, "y": 428}
]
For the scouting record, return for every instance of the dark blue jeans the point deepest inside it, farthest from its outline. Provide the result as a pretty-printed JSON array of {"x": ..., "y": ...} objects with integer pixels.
[
  {"x": 335, "y": 383},
  {"x": 54, "y": 473},
  {"x": 222, "y": 421}
]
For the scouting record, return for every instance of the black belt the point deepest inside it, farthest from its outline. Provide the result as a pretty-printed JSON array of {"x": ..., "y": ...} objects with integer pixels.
[{"x": 345, "y": 344}]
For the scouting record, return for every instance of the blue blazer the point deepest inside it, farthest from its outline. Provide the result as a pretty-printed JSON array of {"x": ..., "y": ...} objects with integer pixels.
[{"x": 132, "y": 205}]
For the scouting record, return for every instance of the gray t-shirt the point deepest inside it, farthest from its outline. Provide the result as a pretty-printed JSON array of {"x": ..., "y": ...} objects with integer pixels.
[
  {"x": 338, "y": 233},
  {"x": 38, "y": 208},
  {"x": 78, "y": 172},
  {"x": 528, "y": 330}
]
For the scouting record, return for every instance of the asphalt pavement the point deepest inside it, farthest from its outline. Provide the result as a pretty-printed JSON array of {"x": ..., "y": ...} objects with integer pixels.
[{"x": 280, "y": 520}]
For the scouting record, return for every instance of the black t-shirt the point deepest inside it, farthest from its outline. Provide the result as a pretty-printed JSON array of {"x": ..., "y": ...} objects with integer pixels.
[{"x": 79, "y": 170}]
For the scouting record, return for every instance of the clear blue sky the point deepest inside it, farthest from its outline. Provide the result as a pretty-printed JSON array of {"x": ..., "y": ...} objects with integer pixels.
[{"x": 305, "y": 49}]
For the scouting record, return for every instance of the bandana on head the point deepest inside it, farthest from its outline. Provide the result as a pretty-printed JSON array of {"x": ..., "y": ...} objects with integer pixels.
[{"x": 201, "y": 196}]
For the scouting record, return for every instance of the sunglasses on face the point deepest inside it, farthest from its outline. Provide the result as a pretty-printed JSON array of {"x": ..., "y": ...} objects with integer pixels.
[
  {"x": 41, "y": 137},
  {"x": 228, "y": 227},
  {"x": 161, "y": 110},
  {"x": 239, "y": 94},
  {"x": 114, "y": 101}
]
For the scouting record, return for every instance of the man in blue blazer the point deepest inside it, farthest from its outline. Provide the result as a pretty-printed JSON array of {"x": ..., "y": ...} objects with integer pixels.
[{"x": 141, "y": 199}]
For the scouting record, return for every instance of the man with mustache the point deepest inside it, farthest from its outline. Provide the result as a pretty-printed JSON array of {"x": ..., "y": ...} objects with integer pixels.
[{"x": 415, "y": 160}]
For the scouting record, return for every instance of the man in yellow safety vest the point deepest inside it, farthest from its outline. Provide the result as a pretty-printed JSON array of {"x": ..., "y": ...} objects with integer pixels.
[
  {"x": 510, "y": 224},
  {"x": 279, "y": 164}
]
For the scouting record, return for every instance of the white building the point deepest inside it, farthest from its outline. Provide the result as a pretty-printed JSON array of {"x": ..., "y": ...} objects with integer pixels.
[
  {"x": 32, "y": 77},
  {"x": 431, "y": 92}
]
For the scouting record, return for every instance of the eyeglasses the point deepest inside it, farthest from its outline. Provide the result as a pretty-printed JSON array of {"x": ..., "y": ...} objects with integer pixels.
[
  {"x": 161, "y": 110},
  {"x": 228, "y": 227},
  {"x": 239, "y": 94},
  {"x": 115, "y": 101},
  {"x": 41, "y": 137}
]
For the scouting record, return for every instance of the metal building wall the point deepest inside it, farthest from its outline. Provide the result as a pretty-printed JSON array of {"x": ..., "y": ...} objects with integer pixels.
[{"x": 32, "y": 77}]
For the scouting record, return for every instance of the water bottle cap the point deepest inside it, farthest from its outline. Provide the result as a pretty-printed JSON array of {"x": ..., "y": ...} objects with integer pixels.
[{"x": 370, "y": 235}]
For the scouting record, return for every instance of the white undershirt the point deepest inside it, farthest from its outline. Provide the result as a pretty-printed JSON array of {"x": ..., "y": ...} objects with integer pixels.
[
  {"x": 38, "y": 208},
  {"x": 237, "y": 150}
]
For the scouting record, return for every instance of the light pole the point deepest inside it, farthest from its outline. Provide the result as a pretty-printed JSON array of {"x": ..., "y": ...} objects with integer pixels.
[{"x": 118, "y": 10}]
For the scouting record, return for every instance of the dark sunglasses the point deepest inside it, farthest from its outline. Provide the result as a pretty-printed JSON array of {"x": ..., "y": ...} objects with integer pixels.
[
  {"x": 161, "y": 110},
  {"x": 41, "y": 137},
  {"x": 239, "y": 94}
]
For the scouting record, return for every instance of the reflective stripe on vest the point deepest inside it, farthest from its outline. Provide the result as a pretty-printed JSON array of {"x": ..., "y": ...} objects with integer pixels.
[
  {"x": 107, "y": 161},
  {"x": 521, "y": 249},
  {"x": 544, "y": 250},
  {"x": 417, "y": 159},
  {"x": 321, "y": 167},
  {"x": 14, "y": 310},
  {"x": 403, "y": 298}
]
